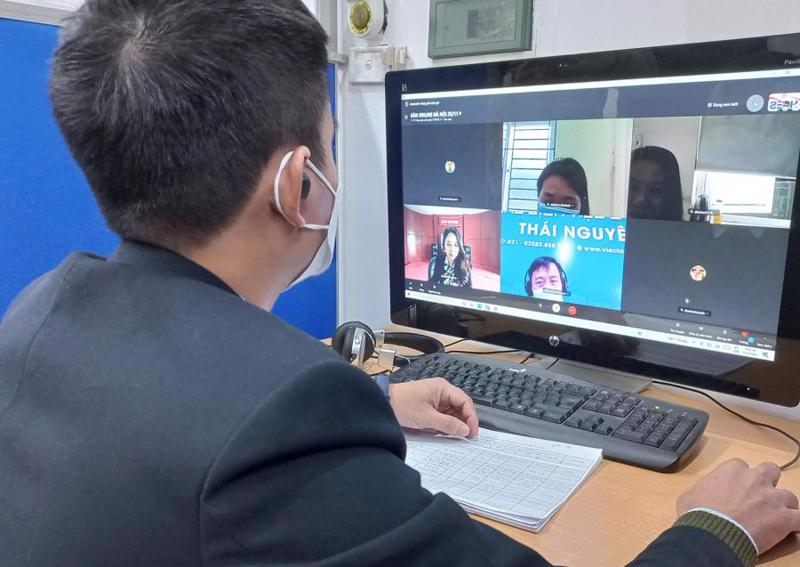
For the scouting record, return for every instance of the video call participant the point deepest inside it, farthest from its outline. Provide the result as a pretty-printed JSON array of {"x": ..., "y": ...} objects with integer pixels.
[
  {"x": 563, "y": 188},
  {"x": 546, "y": 279},
  {"x": 451, "y": 266},
  {"x": 153, "y": 412},
  {"x": 654, "y": 190}
]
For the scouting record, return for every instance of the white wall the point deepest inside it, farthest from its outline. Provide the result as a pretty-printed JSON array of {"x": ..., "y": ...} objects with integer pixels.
[
  {"x": 312, "y": 5},
  {"x": 596, "y": 145},
  {"x": 560, "y": 26}
]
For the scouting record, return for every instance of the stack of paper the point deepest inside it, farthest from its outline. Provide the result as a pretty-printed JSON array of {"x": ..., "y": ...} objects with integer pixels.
[{"x": 512, "y": 479}]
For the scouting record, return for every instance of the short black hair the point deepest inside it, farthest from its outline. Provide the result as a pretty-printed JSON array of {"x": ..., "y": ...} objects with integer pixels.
[
  {"x": 573, "y": 173},
  {"x": 545, "y": 262},
  {"x": 172, "y": 108}
]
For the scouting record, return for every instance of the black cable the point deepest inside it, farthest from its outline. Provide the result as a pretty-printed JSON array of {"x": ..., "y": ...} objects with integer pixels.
[
  {"x": 527, "y": 358},
  {"x": 455, "y": 343},
  {"x": 747, "y": 419},
  {"x": 484, "y": 352}
]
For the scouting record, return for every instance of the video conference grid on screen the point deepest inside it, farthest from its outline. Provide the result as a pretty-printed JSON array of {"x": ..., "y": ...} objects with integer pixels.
[{"x": 657, "y": 208}]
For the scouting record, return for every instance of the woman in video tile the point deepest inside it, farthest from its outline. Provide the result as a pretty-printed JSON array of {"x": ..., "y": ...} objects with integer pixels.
[
  {"x": 451, "y": 266},
  {"x": 654, "y": 190},
  {"x": 563, "y": 188},
  {"x": 546, "y": 279}
]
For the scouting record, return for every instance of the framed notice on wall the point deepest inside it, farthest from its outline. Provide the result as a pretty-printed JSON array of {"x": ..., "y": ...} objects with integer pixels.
[{"x": 475, "y": 27}]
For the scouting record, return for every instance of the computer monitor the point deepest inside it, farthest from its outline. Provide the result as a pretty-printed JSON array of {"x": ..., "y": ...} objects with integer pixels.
[{"x": 631, "y": 209}]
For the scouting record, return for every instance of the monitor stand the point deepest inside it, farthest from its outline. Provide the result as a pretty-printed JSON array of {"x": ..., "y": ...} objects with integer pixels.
[{"x": 616, "y": 379}]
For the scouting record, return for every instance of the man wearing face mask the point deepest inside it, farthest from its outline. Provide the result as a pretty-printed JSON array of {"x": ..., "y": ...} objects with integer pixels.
[{"x": 153, "y": 412}]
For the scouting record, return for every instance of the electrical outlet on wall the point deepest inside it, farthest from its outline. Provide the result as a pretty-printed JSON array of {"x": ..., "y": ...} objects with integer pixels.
[{"x": 369, "y": 65}]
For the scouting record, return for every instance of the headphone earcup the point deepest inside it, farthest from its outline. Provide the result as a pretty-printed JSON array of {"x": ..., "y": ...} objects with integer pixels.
[
  {"x": 342, "y": 341},
  {"x": 337, "y": 341},
  {"x": 528, "y": 287}
]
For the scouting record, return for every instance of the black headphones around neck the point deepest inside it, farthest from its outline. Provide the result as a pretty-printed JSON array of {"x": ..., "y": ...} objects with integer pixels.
[{"x": 356, "y": 343}]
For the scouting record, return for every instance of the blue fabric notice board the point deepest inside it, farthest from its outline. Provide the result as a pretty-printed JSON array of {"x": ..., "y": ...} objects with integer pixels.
[{"x": 47, "y": 209}]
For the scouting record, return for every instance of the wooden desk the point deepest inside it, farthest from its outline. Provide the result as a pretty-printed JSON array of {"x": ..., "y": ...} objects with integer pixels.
[{"x": 622, "y": 508}]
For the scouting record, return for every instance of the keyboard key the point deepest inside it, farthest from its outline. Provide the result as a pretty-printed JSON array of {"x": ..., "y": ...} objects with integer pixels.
[
  {"x": 553, "y": 416},
  {"x": 502, "y": 404},
  {"x": 621, "y": 411},
  {"x": 571, "y": 402},
  {"x": 672, "y": 441},
  {"x": 549, "y": 407},
  {"x": 634, "y": 422},
  {"x": 591, "y": 405},
  {"x": 663, "y": 431},
  {"x": 604, "y": 430},
  {"x": 519, "y": 408},
  {"x": 682, "y": 428},
  {"x": 606, "y": 408},
  {"x": 628, "y": 435},
  {"x": 654, "y": 440},
  {"x": 485, "y": 400},
  {"x": 533, "y": 412},
  {"x": 652, "y": 421}
]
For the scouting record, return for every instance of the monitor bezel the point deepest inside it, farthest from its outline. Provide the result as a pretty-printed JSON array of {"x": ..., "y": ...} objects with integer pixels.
[{"x": 740, "y": 55}]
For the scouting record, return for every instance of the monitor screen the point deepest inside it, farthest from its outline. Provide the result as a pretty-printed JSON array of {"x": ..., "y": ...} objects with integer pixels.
[{"x": 654, "y": 204}]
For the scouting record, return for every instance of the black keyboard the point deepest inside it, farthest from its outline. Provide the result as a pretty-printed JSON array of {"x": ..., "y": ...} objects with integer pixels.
[{"x": 528, "y": 400}]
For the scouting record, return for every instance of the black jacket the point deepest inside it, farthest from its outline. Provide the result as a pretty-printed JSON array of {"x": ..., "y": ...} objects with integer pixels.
[
  {"x": 436, "y": 269},
  {"x": 150, "y": 417}
]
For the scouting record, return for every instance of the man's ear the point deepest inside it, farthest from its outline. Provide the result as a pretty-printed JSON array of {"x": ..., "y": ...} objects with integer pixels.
[{"x": 292, "y": 186}]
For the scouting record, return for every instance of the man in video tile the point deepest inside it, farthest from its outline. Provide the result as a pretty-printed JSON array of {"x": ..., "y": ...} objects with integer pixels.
[{"x": 546, "y": 279}]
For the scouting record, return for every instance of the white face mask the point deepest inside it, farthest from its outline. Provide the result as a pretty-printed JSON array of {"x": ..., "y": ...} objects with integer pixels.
[
  {"x": 324, "y": 256},
  {"x": 550, "y": 295}
]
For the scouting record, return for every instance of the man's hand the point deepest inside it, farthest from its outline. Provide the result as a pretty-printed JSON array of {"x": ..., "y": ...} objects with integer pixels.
[
  {"x": 748, "y": 496},
  {"x": 434, "y": 404}
]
